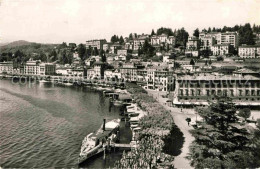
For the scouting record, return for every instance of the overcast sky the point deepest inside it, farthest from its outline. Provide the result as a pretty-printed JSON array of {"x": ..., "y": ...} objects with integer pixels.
[{"x": 55, "y": 21}]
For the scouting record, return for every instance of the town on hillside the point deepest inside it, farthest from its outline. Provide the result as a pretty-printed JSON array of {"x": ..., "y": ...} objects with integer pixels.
[{"x": 191, "y": 69}]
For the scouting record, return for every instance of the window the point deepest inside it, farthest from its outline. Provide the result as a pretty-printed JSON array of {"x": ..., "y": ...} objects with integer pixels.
[
  {"x": 192, "y": 92},
  {"x": 224, "y": 92},
  {"x": 198, "y": 92},
  {"x": 247, "y": 92},
  {"x": 207, "y": 92},
  {"x": 187, "y": 92},
  {"x": 240, "y": 92},
  {"x": 231, "y": 93}
]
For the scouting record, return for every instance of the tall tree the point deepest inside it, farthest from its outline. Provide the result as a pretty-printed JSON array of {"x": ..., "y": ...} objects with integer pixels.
[
  {"x": 121, "y": 40},
  {"x": 196, "y": 32},
  {"x": 153, "y": 33},
  {"x": 81, "y": 51},
  {"x": 182, "y": 37},
  {"x": 130, "y": 36},
  {"x": 102, "y": 55},
  {"x": 221, "y": 141}
]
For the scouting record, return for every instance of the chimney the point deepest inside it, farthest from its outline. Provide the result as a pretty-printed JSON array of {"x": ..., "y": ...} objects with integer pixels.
[{"x": 104, "y": 124}]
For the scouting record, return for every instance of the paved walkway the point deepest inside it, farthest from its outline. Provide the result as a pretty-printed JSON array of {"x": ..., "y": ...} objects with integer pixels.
[{"x": 179, "y": 116}]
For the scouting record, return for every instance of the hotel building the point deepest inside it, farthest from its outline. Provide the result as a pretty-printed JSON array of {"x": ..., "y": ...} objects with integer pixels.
[
  {"x": 6, "y": 67},
  {"x": 249, "y": 51},
  {"x": 198, "y": 89}
]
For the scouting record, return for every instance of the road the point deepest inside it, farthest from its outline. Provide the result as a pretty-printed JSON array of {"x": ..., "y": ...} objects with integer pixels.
[{"x": 179, "y": 116}]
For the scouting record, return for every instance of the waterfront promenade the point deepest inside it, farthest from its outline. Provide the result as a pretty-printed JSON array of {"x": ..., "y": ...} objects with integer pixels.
[{"x": 179, "y": 117}]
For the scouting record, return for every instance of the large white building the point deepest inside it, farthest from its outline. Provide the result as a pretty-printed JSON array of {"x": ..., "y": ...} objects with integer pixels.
[
  {"x": 221, "y": 49},
  {"x": 157, "y": 40},
  {"x": 6, "y": 67},
  {"x": 31, "y": 67},
  {"x": 95, "y": 43},
  {"x": 220, "y": 38},
  {"x": 249, "y": 51}
]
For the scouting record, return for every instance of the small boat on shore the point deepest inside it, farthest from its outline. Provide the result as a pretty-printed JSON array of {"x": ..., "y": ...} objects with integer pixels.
[{"x": 95, "y": 143}]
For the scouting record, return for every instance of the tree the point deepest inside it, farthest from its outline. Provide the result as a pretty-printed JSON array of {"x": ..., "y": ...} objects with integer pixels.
[
  {"x": 188, "y": 120},
  {"x": 192, "y": 62},
  {"x": 153, "y": 33},
  {"x": 130, "y": 36},
  {"x": 256, "y": 144},
  {"x": 121, "y": 40},
  {"x": 182, "y": 37},
  {"x": 81, "y": 51},
  {"x": 246, "y": 35},
  {"x": 245, "y": 113},
  {"x": 196, "y": 32},
  {"x": 147, "y": 49},
  {"x": 114, "y": 39},
  {"x": 167, "y": 31},
  {"x": 102, "y": 55},
  {"x": 221, "y": 141}
]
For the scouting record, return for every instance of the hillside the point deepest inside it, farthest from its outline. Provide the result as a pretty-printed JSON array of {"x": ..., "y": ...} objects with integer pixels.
[{"x": 15, "y": 44}]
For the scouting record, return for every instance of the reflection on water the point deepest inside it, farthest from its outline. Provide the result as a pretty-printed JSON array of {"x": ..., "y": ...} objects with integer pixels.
[{"x": 42, "y": 125}]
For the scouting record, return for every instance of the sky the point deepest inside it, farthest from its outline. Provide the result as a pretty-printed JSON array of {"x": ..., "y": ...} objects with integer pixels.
[{"x": 56, "y": 21}]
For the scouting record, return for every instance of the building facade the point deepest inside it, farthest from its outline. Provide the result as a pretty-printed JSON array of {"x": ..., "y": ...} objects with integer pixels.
[
  {"x": 249, "y": 51},
  {"x": 95, "y": 43},
  {"x": 47, "y": 69},
  {"x": 6, "y": 67},
  {"x": 221, "y": 49},
  {"x": 198, "y": 89}
]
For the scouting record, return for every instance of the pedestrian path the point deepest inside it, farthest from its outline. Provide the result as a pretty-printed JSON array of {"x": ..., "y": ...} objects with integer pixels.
[{"x": 179, "y": 115}]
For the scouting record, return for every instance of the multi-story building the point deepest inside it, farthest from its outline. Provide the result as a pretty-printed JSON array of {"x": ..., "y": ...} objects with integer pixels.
[
  {"x": 199, "y": 89},
  {"x": 95, "y": 43},
  {"x": 129, "y": 45},
  {"x": 129, "y": 73},
  {"x": 219, "y": 38},
  {"x": 193, "y": 43},
  {"x": 47, "y": 69},
  {"x": 115, "y": 47},
  {"x": 159, "y": 79},
  {"x": 221, "y": 49},
  {"x": 31, "y": 67},
  {"x": 99, "y": 68},
  {"x": 106, "y": 46},
  {"x": 230, "y": 37},
  {"x": 206, "y": 42},
  {"x": 249, "y": 51},
  {"x": 6, "y": 67},
  {"x": 138, "y": 43},
  {"x": 110, "y": 74}
]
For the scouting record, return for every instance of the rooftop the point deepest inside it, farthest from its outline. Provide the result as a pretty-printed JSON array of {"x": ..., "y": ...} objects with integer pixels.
[{"x": 216, "y": 77}]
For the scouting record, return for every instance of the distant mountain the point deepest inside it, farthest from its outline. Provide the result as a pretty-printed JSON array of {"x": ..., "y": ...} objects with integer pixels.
[
  {"x": 3, "y": 44},
  {"x": 16, "y": 43}
]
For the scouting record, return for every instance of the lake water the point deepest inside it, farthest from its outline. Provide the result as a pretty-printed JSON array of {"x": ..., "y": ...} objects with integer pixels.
[{"x": 43, "y": 125}]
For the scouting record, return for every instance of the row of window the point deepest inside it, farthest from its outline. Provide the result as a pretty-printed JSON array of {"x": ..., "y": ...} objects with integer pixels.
[
  {"x": 220, "y": 85},
  {"x": 219, "y": 92}
]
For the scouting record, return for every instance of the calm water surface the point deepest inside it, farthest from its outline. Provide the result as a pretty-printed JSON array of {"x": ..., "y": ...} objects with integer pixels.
[{"x": 42, "y": 125}]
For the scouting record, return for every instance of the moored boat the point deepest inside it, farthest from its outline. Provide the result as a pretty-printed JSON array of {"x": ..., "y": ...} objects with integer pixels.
[{"x": 95, "y": 143}]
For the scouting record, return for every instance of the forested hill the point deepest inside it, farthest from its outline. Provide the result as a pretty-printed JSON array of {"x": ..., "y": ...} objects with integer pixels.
[{"x": 22, "y": 51}]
